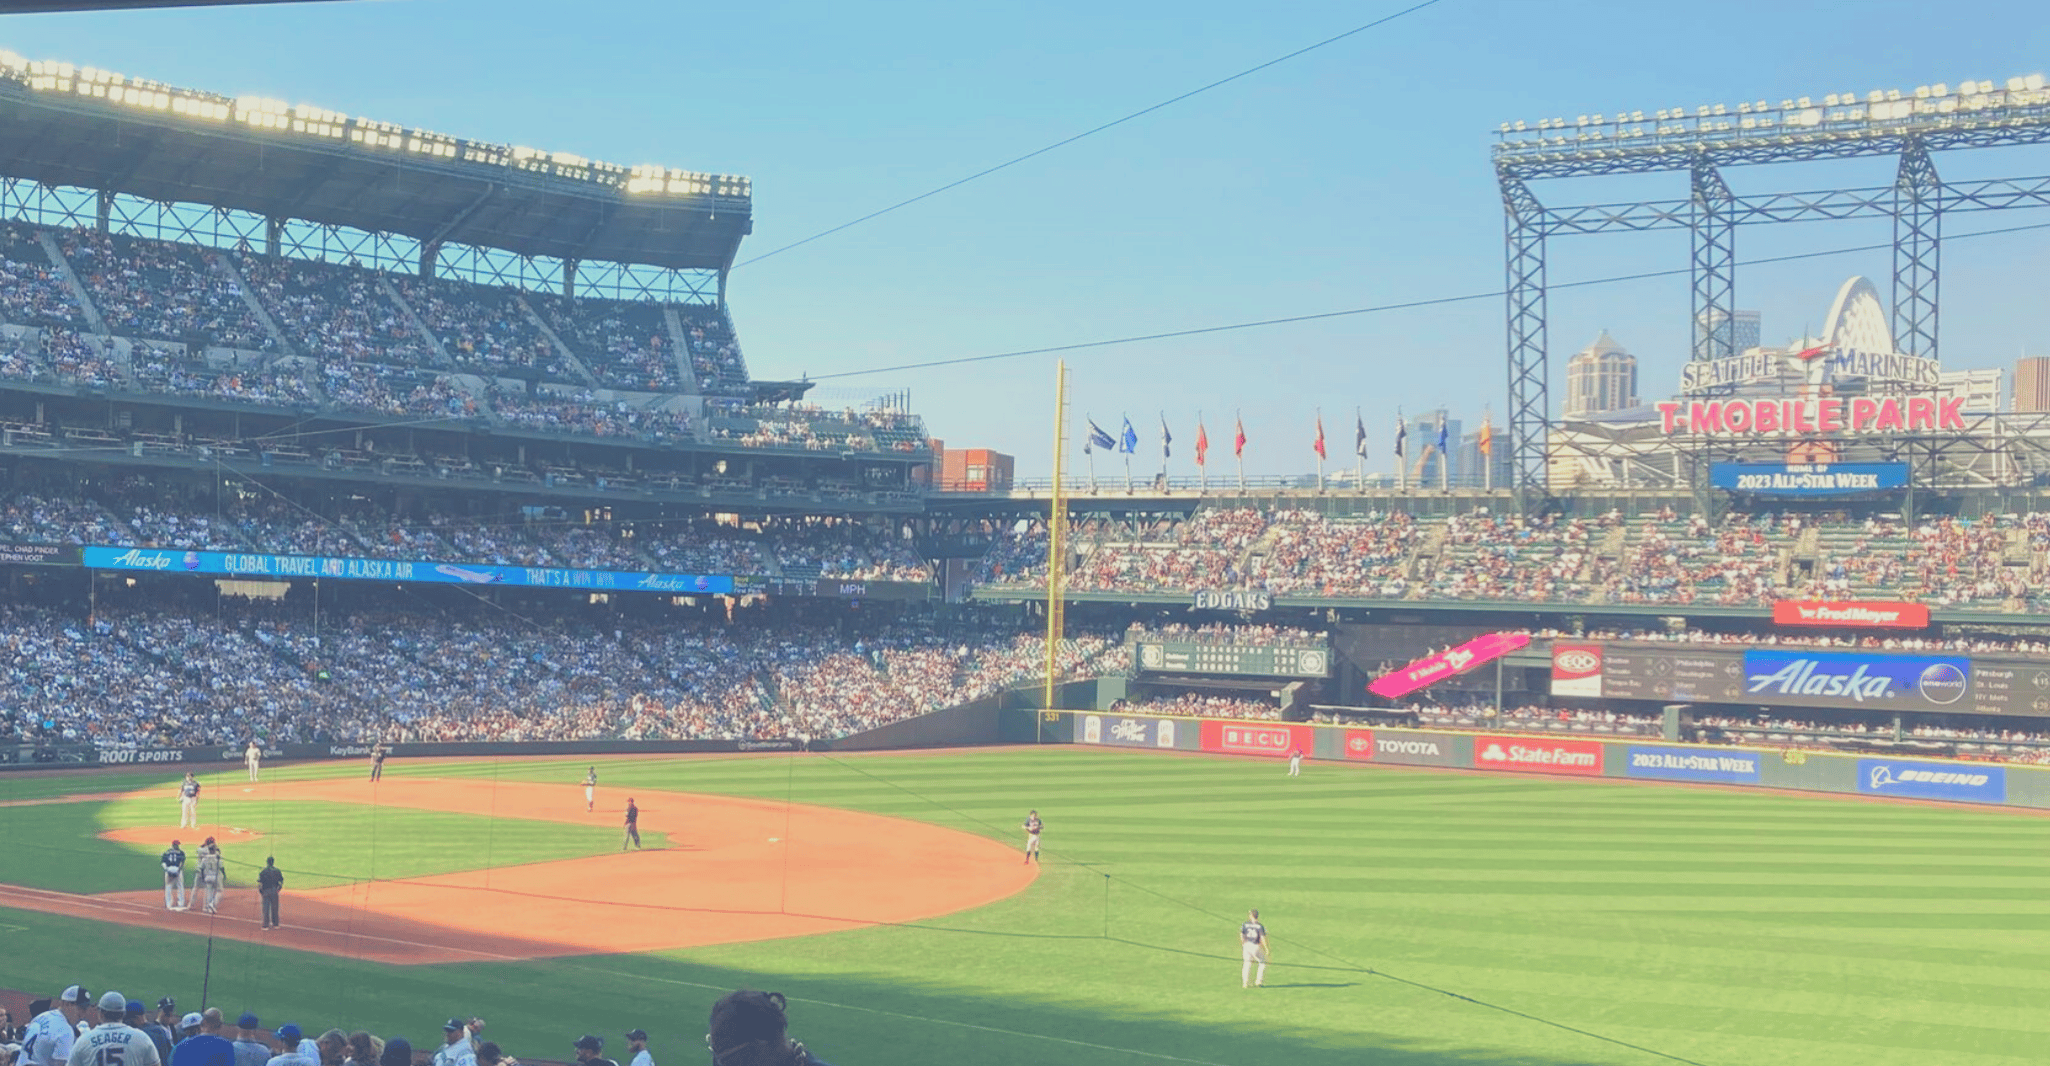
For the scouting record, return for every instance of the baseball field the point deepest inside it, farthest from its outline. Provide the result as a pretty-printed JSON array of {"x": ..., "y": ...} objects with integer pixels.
[{"x": 1422, "y": 918}]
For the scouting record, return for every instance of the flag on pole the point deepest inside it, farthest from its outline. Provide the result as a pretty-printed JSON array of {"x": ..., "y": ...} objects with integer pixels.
[
  {"x": 1128, "y": 441},
  {"x": 1166, "y": 439},
  {"x": 1098, "y": 439},
  {"x": 1238, "y": 447},
  {"x": 1202, "y": 444},
  {"x": 1442, "y": 450},
  {"x": 1401, "y": 438},
  {"x": 1359, "y": 435},
  {"x": 1319, "y": 446},
  {"x": 1487, "y": 440}
]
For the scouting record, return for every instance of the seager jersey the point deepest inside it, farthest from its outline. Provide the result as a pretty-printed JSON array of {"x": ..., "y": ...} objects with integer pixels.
[{"x": 115, "y": 1044}]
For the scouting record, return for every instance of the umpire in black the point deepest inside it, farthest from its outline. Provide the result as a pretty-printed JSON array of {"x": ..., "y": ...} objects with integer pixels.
[{"x": 270, "y": 884}]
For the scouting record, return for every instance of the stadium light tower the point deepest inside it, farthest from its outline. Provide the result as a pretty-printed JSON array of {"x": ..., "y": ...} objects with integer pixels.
[{"x": 1910, "y": 126}]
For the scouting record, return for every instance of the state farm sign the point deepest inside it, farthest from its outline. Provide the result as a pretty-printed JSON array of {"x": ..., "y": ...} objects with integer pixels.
[
  {"x": 1255, "y": 738},
  {"x": 1538, "y": 754}
]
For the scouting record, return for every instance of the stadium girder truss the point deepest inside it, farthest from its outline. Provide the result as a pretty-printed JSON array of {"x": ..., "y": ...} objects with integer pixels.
[{"x": 1700, "y": 144}]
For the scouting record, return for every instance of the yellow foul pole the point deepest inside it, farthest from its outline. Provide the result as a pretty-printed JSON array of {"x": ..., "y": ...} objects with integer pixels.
[{"x": 1056, "y": 540}]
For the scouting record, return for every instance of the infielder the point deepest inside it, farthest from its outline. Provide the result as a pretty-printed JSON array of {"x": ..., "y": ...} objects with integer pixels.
[
  {"x": 377, "y": 756},
  {"x": 114, "y": 1042},
  {"x": 173, "y": 862},
  {"x": 188, "y": 802},
  {"x": 1295, "y": 762},
  {"x": 1032, "y": 827},
  {"x": 1252, "y": 949},
  {"x": 212, "y": 878},
  {"x": 254, "y": 758},
  {"x": 590, "y": 790},
  {"x": 633, "y": 826}
]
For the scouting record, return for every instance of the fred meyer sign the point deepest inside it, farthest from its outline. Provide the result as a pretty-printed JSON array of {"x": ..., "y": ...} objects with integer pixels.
[
  {"x": 1827, "y": 415},
  {"x": 1872, "y": 615}
]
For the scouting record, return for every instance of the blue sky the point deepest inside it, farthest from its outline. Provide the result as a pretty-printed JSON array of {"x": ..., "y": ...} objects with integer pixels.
[{"x": 1357, "y": 175}]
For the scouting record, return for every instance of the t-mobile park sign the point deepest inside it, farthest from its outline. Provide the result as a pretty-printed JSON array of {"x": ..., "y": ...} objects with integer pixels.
[{"x": 1828, "y": 414}]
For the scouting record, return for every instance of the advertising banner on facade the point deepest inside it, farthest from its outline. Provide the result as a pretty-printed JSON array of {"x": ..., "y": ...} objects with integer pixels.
[
  {"x": 1432, "y": 669},
  {"x": 1127, "y": 731},
  {"x": 249, "y": 565},
  {"x": 1808, "y": 479},
  {"x": 1400, "y": 746},
  {"x": 1805, "y": 678},
  {"x": 1933, "y": 780},
  {"x": 1694, "y": 764},
  {"x": 1256, "y": 738},
  {"x": 1577, "y": 670},
  {"x": 1538, "y": 754},
  {"x": 1874, "y": 614}
]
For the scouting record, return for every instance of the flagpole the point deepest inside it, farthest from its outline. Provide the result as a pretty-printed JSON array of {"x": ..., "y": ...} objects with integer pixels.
[
  {"x": 1444, "y": 457},
  {"x": 1402, "y": 454},
  {"x": 1202, "y": 459},
  {"x": 1238, "y": 450},
  {"x": 1359, "y": 447}
]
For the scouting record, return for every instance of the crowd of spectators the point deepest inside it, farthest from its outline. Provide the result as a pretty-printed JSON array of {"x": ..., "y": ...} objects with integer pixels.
[
  {"x": 335, "y": 314},
  {"x": 158, "y": 368},
  {"x": 1223, "y": 633},
  {"x": 845, "y": 549},
  {"x": 1883, "y": 642},
  {"x": 483, "y": 328},
  {"x": 1536, "y": 719},
  {"x": 80, "y": 358},
  {"x": 130, "y": 677},
  {"x": 377, "y": 388},
  {"x": 714, "y": 353},
  {"x": 161, "y": 290},
  {"x": 583, "y": 412},
  {"x": 32, "y": 290},
  {"x": 1203, "y": 705},
  {"x": 625, "y": 344}
]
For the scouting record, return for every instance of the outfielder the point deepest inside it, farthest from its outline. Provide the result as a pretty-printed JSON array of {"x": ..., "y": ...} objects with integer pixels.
[
  {"x": 212, "y": 879},
  {"x": 1032, "y": 827},
  {"x": 1295, "y": 762},
  {"x": 590, "y": 790},
  {"x": 1252, "y": 949},
  {"x": 254, "y": 758},
  {"x": 188, "y": 802},
  {"x": 173, "y": 862}
]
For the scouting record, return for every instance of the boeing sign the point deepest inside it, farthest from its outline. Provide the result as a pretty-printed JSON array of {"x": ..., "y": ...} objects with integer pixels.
[{"x": 1803, "y": 678}]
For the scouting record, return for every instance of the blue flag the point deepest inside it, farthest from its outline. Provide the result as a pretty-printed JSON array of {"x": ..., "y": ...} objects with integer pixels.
[
  {"x": 1442, "y": 450},
  {"x": 1098, "y": 439},
  {"x": 1128, "y": 441}
]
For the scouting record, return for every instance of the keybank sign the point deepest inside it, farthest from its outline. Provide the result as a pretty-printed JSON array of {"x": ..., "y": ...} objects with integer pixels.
[{"x": 1799, "y": 678}]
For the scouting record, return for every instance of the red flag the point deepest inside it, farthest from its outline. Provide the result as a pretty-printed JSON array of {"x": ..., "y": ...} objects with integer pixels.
[
  {"x": 1239, "y": 447},
  {"x": 1320, "y": 437},
  {"x": 1202, "y": 443}
]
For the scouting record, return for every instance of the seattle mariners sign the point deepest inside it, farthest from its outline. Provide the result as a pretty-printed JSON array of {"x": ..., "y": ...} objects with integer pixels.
[{"x": 1802, "y": 678}]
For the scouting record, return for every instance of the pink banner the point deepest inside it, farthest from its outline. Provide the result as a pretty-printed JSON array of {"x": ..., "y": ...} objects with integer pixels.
[{"x": 1429, "y": 671}]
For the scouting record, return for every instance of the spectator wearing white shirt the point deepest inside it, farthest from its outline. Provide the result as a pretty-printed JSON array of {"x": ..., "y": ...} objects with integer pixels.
[
  {"x": 287, "y": 1041},
  {"x": 51, "y": 1033},
  {"x": 456, "y": 1049},
  {"x": 637, "y": 1042}
]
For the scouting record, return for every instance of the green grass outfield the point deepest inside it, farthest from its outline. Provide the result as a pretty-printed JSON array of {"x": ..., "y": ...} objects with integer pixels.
[{"x": 1421, "y": 918}]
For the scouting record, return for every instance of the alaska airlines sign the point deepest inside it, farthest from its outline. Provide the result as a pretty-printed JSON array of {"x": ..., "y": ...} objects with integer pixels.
[{"x": 1794, "y": 418}]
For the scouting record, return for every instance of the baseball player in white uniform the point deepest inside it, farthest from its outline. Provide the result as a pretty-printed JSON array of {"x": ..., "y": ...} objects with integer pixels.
[
  {"x": 211, "y": 878},
  {"x": 114, "y": 1042},
  {"x": 173, "y": 862},
  {"x": 590, "y": 790},
  {"x": 1252, "y": 950},
  {"x": 188, "y": 802},
  {"x": 1295, "y": 762},
  {"x": 1032, "y": 827},
  {"x": 254, "y": 758}
]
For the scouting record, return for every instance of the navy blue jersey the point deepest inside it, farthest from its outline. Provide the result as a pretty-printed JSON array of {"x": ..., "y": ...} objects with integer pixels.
[
  {"x": 1253, "y": 932},
  {"x": 173, "y": 860}
]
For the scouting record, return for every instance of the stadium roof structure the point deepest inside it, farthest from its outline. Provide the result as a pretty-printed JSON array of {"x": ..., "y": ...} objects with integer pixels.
[{"x": 65, "y": 126}]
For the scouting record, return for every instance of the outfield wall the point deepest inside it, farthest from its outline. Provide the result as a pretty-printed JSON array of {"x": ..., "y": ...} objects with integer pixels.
[
  {"x": 59, "y": 756},
  {"x": 1646, "y": 759}
]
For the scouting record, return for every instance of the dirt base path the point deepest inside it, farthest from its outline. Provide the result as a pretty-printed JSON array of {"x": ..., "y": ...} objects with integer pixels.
[{"x": 722, "y": 879}]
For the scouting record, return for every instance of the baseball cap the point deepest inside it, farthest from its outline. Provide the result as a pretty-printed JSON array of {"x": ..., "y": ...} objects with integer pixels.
[
  {"x": 167, "y": 1003},
  {"x": 451, "y": 1025},
  {"x": 113, "y": 1003},
  {"x": 246, "y": 1021},
  {"x": 135, "y": 1007},
  {"x": 289, "y": 1031},
  {"x": 191, "y": 1021},
  {"x": 636, "y": 1034},
  {"x": 76, "y": 994},
  {"x": 591, "y": 1043}
]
